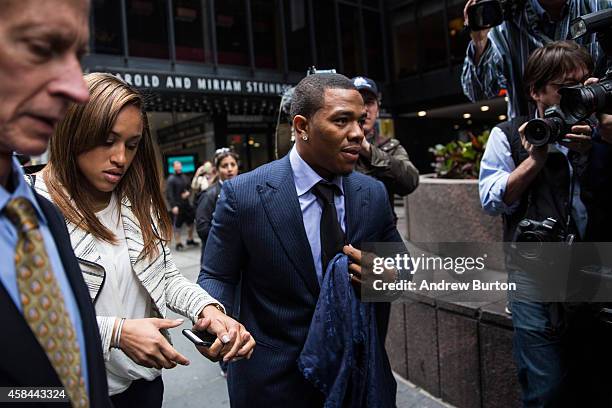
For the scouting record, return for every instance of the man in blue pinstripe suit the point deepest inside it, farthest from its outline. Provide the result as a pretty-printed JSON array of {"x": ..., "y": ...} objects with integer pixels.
[{"x": 267, "y": 231}]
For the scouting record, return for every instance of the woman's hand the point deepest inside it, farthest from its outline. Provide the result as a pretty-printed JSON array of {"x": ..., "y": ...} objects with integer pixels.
[
  {"x": 142, "y": 341},
  {"x": 233, "y": 342}
]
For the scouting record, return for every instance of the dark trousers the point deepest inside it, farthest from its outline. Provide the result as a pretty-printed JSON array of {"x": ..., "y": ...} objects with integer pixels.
[
  {"x": 141, "y": 393},
  {"x": 562, "y": 355}
]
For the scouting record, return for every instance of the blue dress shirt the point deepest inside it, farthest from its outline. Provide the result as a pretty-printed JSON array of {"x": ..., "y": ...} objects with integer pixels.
[
  {"x": 305, "y": 178},
  {"x": 495, "y": 168},
  {"x": 8, "y": 243}
]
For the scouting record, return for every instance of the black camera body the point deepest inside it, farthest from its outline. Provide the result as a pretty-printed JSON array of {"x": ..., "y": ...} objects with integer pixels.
[
  {"x": 490, "y": 13},
  {"x": 550, "y": 129},
  {"x": 531, "y": 236}
]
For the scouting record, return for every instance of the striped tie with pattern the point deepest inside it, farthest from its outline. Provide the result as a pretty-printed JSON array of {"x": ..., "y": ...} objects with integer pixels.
[{"x": 43, "y": 303}]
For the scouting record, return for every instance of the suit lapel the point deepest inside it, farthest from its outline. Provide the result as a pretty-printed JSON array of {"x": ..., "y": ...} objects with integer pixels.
[
  {"x": 356, "y": 200},
  {"x": 280, "y": 201}
]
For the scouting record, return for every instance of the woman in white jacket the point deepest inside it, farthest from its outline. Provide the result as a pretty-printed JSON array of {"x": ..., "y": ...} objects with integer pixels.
[{"x": 104, "y": 175}]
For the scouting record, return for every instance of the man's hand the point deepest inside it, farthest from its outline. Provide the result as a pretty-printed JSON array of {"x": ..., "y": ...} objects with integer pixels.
[
  {"x": 233, "y": 342},
  {"x": 579, "y": 141},
  {"x": 537, "y": 153},
  {"x": 360, "y": 259},
  {"x": 478, "y": 37},
  {"x": 185, "y": 195},
  {"x": 366, "y": 149},
  {"x": 175, "y": 210},
  {"x": 142, "y": 341}
]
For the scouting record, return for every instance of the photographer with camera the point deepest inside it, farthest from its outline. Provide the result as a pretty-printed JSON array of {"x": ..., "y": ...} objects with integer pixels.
[
  {"x": 544, "y": 193},
  {"x": 504, "y": 34}
]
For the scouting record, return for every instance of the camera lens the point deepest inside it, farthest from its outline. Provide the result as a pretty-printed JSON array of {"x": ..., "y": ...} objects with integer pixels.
[
  {"x": 578, "y": 102},
  {"x": 538, "y": 132}
]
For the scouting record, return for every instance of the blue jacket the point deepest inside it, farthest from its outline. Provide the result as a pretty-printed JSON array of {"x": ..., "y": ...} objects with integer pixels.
[
  {"x": 258, "y": 236},
  {"x": 343, "y": 356}
]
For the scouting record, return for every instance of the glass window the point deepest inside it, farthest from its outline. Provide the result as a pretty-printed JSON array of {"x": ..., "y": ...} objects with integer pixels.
[
  {"x": 191, "y": 30},
  {"x": 433, "y": 35},
  {"x": 266, "y": 35},
  {"x": 405, "y": 51},
  {"x": 351, "y": 40},
  {"x": 459, "y": 38},
  {"x": 107, "y": 27},
  {"x": 298, "y": 42},
  {"x": 232, "y": 42},
  {"x": 374, "y": 44},
  {"x": 147, "y": 28},
  {"x": 325, "y": 34}
]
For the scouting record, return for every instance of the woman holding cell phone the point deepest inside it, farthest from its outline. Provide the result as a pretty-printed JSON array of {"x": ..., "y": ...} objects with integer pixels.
[{"x": 104, "y": 174}]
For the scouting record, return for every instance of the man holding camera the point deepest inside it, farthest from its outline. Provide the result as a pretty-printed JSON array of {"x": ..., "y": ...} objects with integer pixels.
[
  {"x": 496, "y": 57},
  {"x": 548, "y": 183}
]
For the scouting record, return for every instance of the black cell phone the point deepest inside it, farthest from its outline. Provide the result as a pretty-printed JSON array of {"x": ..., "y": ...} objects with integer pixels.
[{"x": 200, "y": 338}]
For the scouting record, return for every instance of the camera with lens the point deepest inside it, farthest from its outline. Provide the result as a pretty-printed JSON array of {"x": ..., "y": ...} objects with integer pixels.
[
  {"x": 531, "y": 236},
  {"x": 579, "y": 102},
  {"x": 549, "y": 129},
  {"x": 490, "y": 13}
]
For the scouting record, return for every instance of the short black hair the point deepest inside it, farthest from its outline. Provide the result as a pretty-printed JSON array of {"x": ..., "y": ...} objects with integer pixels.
[{"x": 308, "y": 95}]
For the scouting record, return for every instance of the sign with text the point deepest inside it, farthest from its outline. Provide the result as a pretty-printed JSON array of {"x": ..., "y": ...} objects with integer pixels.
[{"x": 190, "y": 83}]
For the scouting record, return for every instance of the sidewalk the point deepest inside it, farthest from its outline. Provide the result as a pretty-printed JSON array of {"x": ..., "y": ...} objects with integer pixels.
[{"x": 201, "y": 385}]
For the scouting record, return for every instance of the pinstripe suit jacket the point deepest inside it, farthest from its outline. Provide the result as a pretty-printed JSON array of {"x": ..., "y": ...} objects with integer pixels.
[
  {"x": 258, "y": 229},
  {"x": 159, "y": 276}
]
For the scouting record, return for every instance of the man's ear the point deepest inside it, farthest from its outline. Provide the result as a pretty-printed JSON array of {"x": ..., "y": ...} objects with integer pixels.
[{"x": 300, "y": 124}]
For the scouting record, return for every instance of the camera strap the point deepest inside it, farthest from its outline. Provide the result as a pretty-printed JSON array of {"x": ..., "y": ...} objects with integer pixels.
[
  {"x": 575, "y": 167},
  {"x": 570, "y": 202}
]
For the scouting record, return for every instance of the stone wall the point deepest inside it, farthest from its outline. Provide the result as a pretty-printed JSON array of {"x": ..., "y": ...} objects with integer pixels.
[{"x": 460, "y": 352}]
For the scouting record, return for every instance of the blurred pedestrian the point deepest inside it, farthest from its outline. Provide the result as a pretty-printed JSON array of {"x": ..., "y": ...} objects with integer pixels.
[
  {"x": 178, "y": 194},
  {"x": 201, "y": 180},
  {"x": 226, "y": 164},
  {"x": 51, "y": 338},
  {"x": 104, "y": 175}
]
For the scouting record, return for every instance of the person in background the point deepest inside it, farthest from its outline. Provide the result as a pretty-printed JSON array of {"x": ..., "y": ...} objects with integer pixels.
[
  {"x": 178, "y": 194},
  {"x": 50, "y": 336},
  {"x": 201, "y": 180},
  {"x": 384, "y": 159},
  {"x": 226, "y": 164},
  {"x": 496, "y": 57},
  {"x": 104, "y": 175}
]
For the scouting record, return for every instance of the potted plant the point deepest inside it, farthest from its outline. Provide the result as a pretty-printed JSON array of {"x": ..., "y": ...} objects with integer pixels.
[{"x": 458, "y": 159}]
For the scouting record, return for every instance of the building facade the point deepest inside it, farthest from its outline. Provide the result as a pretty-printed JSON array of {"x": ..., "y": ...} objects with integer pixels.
[{"x": 213, "y": 70}]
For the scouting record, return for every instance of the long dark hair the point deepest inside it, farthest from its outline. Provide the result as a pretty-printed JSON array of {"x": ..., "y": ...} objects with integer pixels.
[{"x": 87, "y": 126}]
